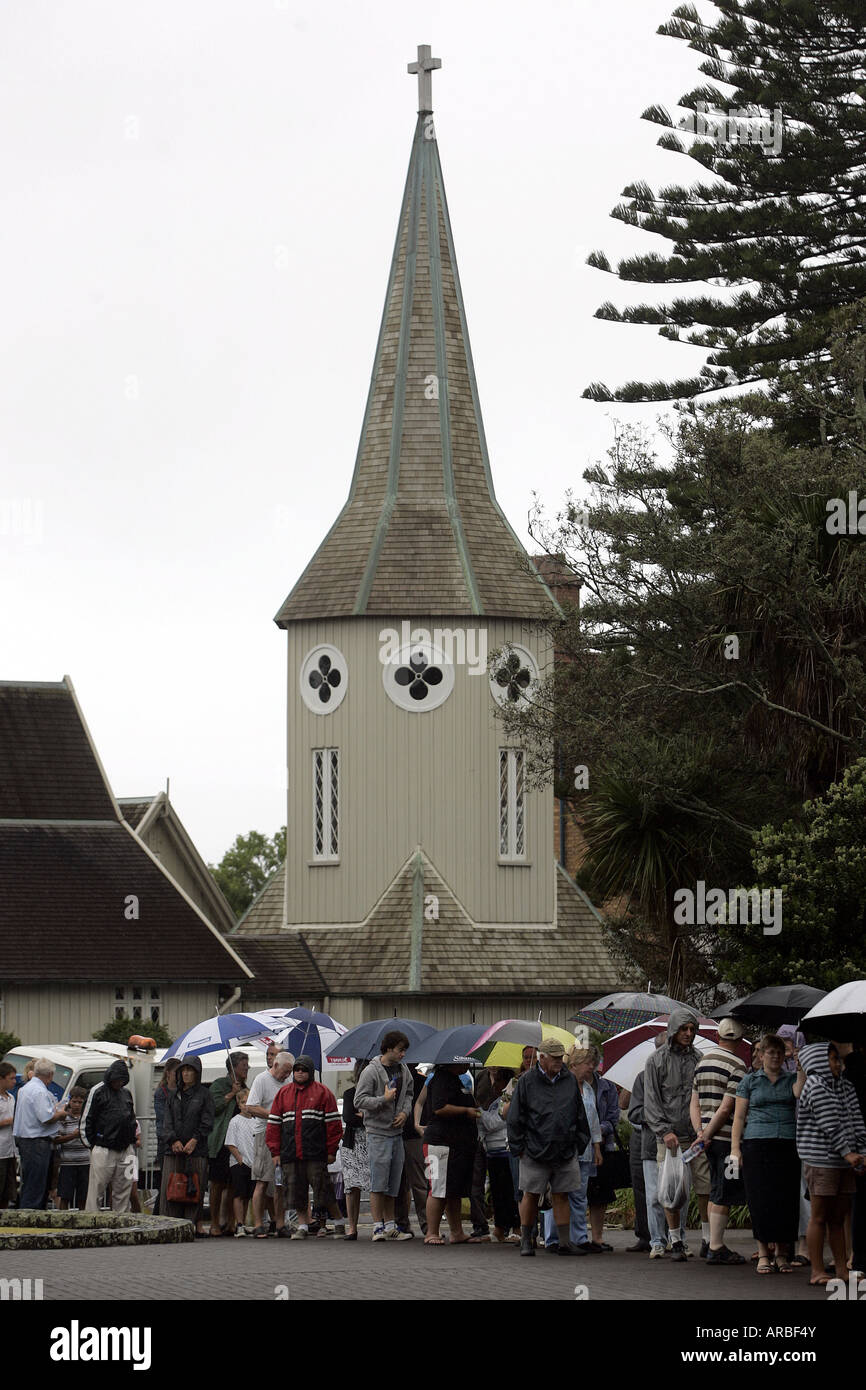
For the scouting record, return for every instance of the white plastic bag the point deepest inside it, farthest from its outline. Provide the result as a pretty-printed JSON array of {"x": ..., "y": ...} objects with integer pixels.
[{"x": 674, "y": 1181}]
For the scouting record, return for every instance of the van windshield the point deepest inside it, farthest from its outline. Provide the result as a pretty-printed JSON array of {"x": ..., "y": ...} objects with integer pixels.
[{"x": 19, "y": 1060}]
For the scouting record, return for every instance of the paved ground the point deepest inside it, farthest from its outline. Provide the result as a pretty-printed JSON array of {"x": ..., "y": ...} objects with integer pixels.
[{"x": 333, "y": 1269}]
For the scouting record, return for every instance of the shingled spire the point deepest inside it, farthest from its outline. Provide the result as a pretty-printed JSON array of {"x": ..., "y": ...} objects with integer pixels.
[{"x": 421, "y": 532}]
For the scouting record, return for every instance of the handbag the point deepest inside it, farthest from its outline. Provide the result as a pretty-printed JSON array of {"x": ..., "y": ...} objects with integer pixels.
[
  {"x": 183, "y": 1187},
  {"x": 617, "y": 1166}
]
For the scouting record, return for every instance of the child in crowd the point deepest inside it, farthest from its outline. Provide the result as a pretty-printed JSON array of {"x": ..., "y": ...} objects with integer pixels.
[
  {"x": 240, "y": 1142},
  {"x": 73, "y": 1154}
]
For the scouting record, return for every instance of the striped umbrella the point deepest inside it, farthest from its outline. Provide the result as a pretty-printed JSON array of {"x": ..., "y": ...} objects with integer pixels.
[
  {"x": 615, "y": 1049},
  {"x": 317, "y": 1035}
]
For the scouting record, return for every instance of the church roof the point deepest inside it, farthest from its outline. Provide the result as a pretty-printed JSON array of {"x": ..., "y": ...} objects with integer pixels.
[
  {"x": 421, "y": 531},
  {"x": 453, "y": 955}
]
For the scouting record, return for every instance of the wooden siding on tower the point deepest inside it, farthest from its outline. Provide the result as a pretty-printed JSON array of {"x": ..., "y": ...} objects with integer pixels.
[{"x": 409, "y": 779}]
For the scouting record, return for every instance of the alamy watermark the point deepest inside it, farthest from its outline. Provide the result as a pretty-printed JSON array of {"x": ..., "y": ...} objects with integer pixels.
[
  {"x": 739, "y": 125},
  {"x": 459, "y": 646},
  {"x": 736, "y": 907},
  {"x": 846, "y": 517}
]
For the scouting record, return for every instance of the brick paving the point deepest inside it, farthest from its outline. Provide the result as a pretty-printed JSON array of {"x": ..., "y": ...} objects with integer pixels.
[{"x": 339, "y": 1270}]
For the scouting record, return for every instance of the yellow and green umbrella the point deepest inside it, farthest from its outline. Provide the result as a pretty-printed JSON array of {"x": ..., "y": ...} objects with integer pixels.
[{"x": 503, "y": 1043}]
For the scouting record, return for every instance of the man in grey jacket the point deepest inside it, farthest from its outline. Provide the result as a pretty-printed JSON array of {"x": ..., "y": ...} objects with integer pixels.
[
  {"x": 384, "y": 1095},
  {"x": 668, "y": 1077}
]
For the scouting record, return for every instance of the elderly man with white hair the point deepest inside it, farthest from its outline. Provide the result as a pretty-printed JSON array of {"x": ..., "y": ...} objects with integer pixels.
[{"x": 37, "y": 1120}]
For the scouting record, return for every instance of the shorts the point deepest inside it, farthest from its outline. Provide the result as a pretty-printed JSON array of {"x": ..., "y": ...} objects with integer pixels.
[
  {"x": 448, "y": 1170},
  {"x": 830, "y": 1182},
  {"x": 263, "y": 1163},
  {"x": 241, "y": 1181},
  {"x": 563, "y": 1177},
  {"x": 724, "y": 1191},
  {"x": 701, "y": 1178},
  {"x": 298, "y": 1178},
  {"x": 72, "y": 1183},
  {"x": 386, "y": 1154},
  {"x": 218, "y": 1168}
]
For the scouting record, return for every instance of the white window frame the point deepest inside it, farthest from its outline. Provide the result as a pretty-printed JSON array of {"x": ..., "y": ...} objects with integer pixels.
[
  {"x": 326, "y": 766},
  {"x": 511, "y": 834},
  {"x": 126, "y": 1004}
]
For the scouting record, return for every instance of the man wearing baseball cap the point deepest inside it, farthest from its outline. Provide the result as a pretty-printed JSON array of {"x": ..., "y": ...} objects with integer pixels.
[
  {"x": 714, "y": 1091},
  {"x": 547, "y": 1131}
]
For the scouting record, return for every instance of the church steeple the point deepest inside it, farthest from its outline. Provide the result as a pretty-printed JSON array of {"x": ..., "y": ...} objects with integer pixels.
[{"x": 421, "y": 532}]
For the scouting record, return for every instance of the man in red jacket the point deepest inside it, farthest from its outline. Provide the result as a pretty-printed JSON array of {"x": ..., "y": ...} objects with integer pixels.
[{"x": 303, "y": 1134}]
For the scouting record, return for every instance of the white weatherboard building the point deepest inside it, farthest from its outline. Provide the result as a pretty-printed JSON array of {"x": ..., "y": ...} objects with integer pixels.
[{"x": 420, "y": 871}]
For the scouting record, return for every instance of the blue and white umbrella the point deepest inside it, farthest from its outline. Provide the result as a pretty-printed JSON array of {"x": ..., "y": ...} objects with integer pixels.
[
  {"x": 227, "y": 1031},
  {"x": 311, "y": 1033}
]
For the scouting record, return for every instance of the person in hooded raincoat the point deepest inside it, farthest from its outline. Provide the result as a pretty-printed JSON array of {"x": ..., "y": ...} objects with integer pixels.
[
  {"x": 189, "y": 1119},
  {"x": 107, "y": 1126},
  {"x": 667, "y": 1084},
  {"x": 831, "y": 1141}
]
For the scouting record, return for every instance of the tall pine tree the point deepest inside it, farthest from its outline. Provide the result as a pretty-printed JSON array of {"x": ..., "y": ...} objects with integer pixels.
[{"x": 786, "y": 224}]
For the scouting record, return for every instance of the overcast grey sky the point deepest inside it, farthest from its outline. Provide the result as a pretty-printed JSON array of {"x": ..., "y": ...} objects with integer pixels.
[{"x": 200, "y": 202}]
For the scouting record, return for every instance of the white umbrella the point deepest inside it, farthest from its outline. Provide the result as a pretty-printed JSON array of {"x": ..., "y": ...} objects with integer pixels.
[
  {"x": 629, "y": 1067},
  {"x": 841, "y": 1014}
]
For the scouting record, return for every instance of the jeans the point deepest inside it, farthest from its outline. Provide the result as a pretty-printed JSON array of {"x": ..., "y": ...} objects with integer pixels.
[
  {"x": 35, "y": 1155},
  {"x": 577, "y": 1220},
  {"x": 658, "y": 1226}
]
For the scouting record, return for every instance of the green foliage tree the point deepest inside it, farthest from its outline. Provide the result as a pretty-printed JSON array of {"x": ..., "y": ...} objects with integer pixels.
[
  {"x": 714, "y": 675},
  {"x": 819, "y": 864},
  {"x": 8, "y": 1043},
  {"x": 120, "y": 1030},
  {"x": 785, "y": 226},
  {"x": 244, "y": 869}
]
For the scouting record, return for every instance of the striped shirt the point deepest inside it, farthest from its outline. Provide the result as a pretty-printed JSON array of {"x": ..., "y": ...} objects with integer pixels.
[{"x": 718, "y": 1074}]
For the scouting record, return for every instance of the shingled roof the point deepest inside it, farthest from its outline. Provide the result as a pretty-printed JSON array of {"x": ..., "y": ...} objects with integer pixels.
[
  {"x": 48, "y": 766},
  {"x": 70, "y": 867},
  {"x": 283, "y": 965},
  {"x": 422, "y": 531},
  {"x": 453, "y": 955}
]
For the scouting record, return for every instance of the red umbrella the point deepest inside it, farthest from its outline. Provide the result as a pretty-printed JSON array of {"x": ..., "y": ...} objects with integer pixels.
[{"x": 617, "y": 1047}]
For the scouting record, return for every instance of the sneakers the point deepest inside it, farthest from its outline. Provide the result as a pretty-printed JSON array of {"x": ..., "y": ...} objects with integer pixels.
[
  {"x": 705, "y": 1249},
  {"x": 657, "y": 1252},
  {"x": 241, "y": 1231},
  {"x": 397, "y": 1234},
  {"x": 301, "y": 1233},
  {"x": 724, "y": 1256},
  {"x": 569, "y": 1250},
  {"x": 379, "y": 1233},
  {"x": 678, "y": 1252}
]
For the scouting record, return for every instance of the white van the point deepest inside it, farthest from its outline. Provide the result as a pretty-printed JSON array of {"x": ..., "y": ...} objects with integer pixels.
[{"x": 84, "y": 1064}]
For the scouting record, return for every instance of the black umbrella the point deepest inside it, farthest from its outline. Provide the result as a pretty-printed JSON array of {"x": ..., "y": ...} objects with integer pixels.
[
  {"x": 774, "y": 1004},
  {"x": 366, "y": 1039},
  {"x": 448, "y": 1045}
]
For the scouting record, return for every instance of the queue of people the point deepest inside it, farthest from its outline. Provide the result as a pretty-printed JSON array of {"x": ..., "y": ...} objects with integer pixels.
[{"x": 788, "y": 1128}]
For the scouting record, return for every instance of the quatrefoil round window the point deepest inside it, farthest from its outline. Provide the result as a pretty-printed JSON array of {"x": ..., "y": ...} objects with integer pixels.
[
  {"x": 419, "y": 677},
  {"x": 514, "y": 676},
  {"x": 324, "y": 678}
]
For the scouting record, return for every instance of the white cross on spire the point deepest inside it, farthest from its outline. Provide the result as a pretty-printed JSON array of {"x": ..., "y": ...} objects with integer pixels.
[{"x": 424, "y": 67}]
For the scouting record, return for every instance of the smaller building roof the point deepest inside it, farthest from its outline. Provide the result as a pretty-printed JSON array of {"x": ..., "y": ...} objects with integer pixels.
[
  {"x": 283, "y": 965},
  {"x": 65, "y": 891},
  {"x": 134, "y": 808}
]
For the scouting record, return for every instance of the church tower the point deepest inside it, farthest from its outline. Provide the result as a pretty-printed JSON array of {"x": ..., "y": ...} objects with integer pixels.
[{"x": 415, "y": 847}]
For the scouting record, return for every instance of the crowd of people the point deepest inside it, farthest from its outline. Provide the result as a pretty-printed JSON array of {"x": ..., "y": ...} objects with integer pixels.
[{"x": 786, "y": 1137}]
